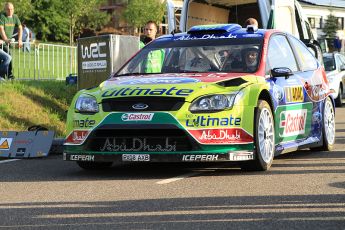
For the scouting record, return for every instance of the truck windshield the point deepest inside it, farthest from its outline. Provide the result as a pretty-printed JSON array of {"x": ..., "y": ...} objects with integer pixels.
[{"x": 201, "y": 55}]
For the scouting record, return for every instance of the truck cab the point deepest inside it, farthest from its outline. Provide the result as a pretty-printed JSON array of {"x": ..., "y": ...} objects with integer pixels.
[{"x": 285, "y": 15}]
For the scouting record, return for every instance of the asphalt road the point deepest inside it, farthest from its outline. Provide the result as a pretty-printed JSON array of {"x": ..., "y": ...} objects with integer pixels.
[{"x": 303, "y": 190}]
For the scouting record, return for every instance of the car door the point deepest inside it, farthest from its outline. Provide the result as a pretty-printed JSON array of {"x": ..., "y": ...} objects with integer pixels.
[
  {"x": 316, "y": 87},
  {"x": 292, "y": 110}
]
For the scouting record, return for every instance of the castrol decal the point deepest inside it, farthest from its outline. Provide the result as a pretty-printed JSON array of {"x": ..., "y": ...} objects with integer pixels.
[{"x": 293, "y": 122}]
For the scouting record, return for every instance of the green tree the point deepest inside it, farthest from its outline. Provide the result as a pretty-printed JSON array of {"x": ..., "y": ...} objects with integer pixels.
[
  {"x": 84, "y": 13},
  {"x": 60, "y": 20},
  {"x": 331, "y": 26},
  {"x": 138, "y": 12}
]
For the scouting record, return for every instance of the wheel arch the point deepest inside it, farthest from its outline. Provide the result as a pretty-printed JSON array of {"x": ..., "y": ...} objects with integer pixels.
[{"x": 265, "y": 95}]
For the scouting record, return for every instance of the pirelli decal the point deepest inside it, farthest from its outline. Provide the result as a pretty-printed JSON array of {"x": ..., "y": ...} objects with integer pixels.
[{"x": 294, "y": 94}]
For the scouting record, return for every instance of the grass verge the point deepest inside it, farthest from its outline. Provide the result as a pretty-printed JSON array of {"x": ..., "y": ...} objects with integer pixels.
[{"x": 27, "y": 103}]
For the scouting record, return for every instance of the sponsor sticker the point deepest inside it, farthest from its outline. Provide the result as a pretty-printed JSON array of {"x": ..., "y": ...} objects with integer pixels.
[
  {"x": 203, "y": 121},
  {"x": 137, "y": 116},
  {"x": 138, "y": 145},
  {"x": 142, "y": 91},
  {"x": 86, "y": 123},
  {"x": 77, "y": 137},
  {"x": 294, "y": 94},
  {"x": 293, "y": 122},
  {"x": 222, "y": 136},
  {"x": 241, "y": 156},
  {"x": 82, "y": 157},
  {"x": 200, "y": 157}
]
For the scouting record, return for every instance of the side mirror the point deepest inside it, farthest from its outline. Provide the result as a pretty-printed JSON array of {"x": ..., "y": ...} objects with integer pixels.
[{"x": 281, "y": 72}]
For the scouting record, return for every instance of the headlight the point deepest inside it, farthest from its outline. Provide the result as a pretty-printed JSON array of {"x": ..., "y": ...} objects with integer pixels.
[
  {"x": 216, "y": 102},
  {"x": 86, "y": 104},
  {"x": 330, "y": 79}
]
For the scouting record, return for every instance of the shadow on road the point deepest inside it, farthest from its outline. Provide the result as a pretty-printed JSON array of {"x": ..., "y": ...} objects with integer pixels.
[
  {"x": 251, "y": 212},
  {"x": 54, "y": 169}
]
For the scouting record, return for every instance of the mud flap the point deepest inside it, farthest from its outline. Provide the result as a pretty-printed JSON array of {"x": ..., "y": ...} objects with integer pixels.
[{"x": 26, "y": 144}]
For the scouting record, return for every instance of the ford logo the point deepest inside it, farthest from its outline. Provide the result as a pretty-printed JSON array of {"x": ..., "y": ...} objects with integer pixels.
[{"x": 140, "y": 106}]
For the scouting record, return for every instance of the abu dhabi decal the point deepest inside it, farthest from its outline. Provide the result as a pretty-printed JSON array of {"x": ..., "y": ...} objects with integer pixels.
[
  {"x": 77, "y": 137},
  {"x": 139, "y": 91},
  {"x": 294, "y": 94},
  {"x": 294, "y": 121},
  {"x": 222, "y": 136},
  {"x": 5, "y": 143},
  {"x": 137, "y": 116},
  {"x": 204, "y": 121},
  {"x": 157, "y": 80},
  {"x": 205, "y": 36}
]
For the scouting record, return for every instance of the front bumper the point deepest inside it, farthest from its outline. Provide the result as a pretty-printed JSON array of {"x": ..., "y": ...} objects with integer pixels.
[{"x": 176, "y": 157}]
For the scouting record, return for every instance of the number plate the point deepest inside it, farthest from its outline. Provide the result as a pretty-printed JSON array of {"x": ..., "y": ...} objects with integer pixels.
[{"x": 135, "y": 157}]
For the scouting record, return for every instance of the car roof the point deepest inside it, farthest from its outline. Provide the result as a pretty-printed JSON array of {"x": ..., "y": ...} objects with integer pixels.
[{"x": 217, "y": 31}]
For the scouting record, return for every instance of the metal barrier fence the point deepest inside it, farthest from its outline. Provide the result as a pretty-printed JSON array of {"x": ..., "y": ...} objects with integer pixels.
[{"x": 43, "y": 61}]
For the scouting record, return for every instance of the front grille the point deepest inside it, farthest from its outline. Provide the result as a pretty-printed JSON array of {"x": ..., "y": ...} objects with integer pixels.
[
  {"x": 153, "y": 104},
  {"x": 139, "y": 140}
]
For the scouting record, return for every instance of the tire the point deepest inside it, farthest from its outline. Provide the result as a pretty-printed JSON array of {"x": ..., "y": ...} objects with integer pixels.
[
  {"x": 94, "y": 165},
  {"x": 264, "y": 139},
  {"x": 328, "y": 127},
  {"x": 338, "y": 100}
]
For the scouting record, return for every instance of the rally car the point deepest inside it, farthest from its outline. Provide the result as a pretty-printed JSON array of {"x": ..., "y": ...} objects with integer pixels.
[{"x": 215, "y": 93}]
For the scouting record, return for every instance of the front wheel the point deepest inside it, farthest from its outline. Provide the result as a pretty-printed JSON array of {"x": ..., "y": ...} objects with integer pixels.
[{"x": 263, "y": 138}]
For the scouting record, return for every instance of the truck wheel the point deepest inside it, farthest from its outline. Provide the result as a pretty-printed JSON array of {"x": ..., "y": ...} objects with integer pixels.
[
  {"x": 94, "y": 165},
  {"x": 264, "y": 140}
]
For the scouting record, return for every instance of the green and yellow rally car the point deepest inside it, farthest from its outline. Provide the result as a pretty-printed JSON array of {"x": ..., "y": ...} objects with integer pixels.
[{"x": 219, "y": 93}]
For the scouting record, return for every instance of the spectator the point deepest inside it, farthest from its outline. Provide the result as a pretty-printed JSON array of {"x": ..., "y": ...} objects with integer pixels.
[
  {"x": 5, "y": 60},
  {"x": 155, "y": 58},
  {"x": 337, "y": 44},
  {"x": 151, "y": 29},
  {"x": 8, "y": 21},
  {"x": 26, "y": 38}
]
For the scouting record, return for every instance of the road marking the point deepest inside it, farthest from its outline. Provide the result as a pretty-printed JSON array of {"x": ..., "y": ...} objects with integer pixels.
[
  {"x": 10, "y": 160},
  {"x": 173, "y": 179}
]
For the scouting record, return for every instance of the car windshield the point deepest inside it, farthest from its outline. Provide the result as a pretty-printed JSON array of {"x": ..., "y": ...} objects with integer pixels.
[
  {"x": 329, "y": 63},
  {"x": 196, "y": 56}
]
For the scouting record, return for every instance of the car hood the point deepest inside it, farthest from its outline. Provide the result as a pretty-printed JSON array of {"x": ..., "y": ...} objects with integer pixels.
[
  {"x": 162, "y": 79},
  {"x": 173, "y": 85}
]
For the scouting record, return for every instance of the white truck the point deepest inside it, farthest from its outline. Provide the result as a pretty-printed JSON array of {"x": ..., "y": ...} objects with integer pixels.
[{"x": 285, "y": 15}]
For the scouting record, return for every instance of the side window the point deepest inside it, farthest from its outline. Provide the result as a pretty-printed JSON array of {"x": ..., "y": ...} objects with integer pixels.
[
  {"x": 280, "y": 54},
  {"x": 305, "y": 57}
]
